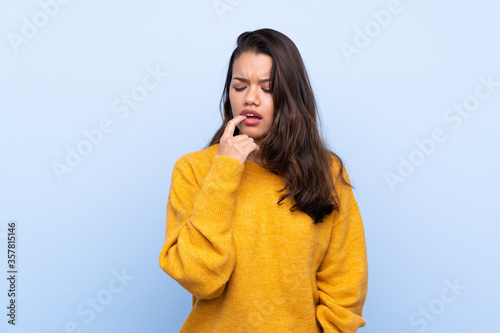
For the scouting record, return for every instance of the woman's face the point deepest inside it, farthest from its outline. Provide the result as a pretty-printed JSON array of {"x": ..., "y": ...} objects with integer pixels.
[{"x": 249, "y": 94}]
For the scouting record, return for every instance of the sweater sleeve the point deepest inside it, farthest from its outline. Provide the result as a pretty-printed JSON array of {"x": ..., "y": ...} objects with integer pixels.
[
  {"x": 199, "y": 251},
  {"x": 342, "y": 277}
]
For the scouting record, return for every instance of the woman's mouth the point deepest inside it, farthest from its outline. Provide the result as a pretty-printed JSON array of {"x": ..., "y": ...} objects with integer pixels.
[
  {"x": 252, "y": 120},
  {"x": 253, "y": 117}
]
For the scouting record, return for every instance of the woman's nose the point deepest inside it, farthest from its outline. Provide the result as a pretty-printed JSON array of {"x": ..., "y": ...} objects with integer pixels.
[{"x": 252, "y": 96}]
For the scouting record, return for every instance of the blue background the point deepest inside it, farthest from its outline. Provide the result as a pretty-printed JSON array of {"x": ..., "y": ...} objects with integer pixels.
[{"x": 435, "y": 226}]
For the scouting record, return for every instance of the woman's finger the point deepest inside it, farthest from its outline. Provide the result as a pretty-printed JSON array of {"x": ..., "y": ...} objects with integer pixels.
[{"x": 231, "y": 125}]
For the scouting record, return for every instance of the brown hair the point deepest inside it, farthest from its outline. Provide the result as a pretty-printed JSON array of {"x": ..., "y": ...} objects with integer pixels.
[{"x": 293, "y": 148}]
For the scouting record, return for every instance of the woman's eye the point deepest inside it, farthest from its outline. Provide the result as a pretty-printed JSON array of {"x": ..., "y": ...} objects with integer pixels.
[{"x": 243, "y": 88}]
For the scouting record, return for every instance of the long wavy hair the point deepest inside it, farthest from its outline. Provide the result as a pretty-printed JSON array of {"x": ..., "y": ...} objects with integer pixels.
[{"x": 293, "y": 148}]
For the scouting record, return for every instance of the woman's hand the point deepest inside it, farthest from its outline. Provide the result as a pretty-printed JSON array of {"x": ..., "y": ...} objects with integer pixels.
[{"x": 238, "y": 147}]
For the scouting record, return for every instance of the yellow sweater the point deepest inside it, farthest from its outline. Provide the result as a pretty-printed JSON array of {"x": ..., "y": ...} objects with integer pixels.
[{"x": 255, "y": 266}]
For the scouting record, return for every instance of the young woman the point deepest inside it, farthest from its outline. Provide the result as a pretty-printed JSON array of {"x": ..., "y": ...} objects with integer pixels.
[{"x": 262, "y": 225}]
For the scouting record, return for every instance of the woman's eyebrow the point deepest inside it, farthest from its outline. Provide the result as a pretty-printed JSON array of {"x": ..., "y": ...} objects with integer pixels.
[{"x": 246, "y": 80}]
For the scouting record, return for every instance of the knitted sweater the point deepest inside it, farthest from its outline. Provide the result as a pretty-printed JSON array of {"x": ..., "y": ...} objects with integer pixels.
[{"x": 255, "y": 266}]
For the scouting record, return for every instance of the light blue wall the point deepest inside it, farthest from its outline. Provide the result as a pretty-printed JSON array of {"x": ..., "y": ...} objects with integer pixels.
[{"x": 388, "y": 88}]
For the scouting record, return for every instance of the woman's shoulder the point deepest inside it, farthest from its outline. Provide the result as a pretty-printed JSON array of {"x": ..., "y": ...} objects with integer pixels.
[
  {"x": 198, "y": 160},
  {"x": 340, "y": 177},
  {"x": 337, "y": 166}
]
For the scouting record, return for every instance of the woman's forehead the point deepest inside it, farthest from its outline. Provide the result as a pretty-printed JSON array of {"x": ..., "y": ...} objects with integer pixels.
[{"x": 252, "y": 66}]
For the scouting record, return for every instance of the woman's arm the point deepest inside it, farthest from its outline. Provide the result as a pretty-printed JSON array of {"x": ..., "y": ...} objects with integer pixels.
[
  {"x": 342, "y": 278},
  {"x": 199, "y": 250}
]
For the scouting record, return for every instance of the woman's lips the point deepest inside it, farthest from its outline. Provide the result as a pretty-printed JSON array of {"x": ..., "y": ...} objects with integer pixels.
[
  {"x": 251, "y": 112},
  {"x": 254, "y": 118},
  {"x": 252, "y": 121}
]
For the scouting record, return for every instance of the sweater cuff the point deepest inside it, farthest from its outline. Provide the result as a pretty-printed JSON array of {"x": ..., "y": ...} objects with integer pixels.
[{"x": 225, "y": 173}]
